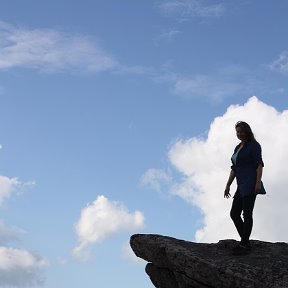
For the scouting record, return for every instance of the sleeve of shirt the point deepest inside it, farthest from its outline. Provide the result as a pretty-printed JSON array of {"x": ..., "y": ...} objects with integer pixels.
[
  {"x": 233, "y": 165},
  {"x": 257, "y": 155}
]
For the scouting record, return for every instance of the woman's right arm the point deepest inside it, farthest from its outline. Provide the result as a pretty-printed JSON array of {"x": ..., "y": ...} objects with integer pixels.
[{"x": 229, "y": 182}]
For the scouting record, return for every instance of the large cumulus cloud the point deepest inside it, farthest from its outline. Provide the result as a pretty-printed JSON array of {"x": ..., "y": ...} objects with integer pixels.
[{"x": 205, "y": 165}]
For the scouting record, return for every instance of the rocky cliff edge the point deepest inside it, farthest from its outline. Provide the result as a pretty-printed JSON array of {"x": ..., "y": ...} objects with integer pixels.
[{"x": 174, "y": 263}]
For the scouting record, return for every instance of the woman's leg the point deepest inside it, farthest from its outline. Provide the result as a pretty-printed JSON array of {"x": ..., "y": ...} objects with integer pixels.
[
  {"x": 248, "y": 206},
  {"x": 235, "y": 213}
]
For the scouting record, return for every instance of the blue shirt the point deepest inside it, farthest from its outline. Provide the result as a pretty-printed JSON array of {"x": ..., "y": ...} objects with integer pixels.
[{"x": 244, "y": 163}]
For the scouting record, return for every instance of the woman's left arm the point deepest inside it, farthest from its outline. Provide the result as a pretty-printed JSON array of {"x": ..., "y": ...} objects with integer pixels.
[
  {"x": 259, "y": 172},
  {"x": 258, "y": 162}
]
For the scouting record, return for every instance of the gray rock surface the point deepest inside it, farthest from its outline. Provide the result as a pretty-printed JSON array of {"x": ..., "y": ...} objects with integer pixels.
[{"x": 174, "y": 263}]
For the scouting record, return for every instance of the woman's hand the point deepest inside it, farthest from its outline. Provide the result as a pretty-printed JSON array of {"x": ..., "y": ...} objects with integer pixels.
[
  {"x": 257, "y": 187},
  {"x": 229, "y": 182},
  {"x": 227, "y": 192}
]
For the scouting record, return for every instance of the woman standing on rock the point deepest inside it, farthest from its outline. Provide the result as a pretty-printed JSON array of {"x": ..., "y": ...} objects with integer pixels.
[{"x": 247, "y": 167}]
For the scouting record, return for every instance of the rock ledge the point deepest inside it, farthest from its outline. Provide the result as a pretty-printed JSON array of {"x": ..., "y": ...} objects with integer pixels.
[{"x": 175, "y": 263}]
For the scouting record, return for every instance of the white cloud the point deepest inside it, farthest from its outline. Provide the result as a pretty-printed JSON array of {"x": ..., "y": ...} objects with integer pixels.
[
  {"x": 281, "y": 64},
  {"x": 167, "y": 36},
  {"x": 155, "y": 179},
  {"x": 50, "y": 50},
  {"x": 192, "y": 8},
  {"x": 205, "y": 164},
  {"x": 20, "y": 268},
  {"x": 216, "y": 86},
  {"x": 7, "y": 186},
  {"x": 102, "y": 219}
]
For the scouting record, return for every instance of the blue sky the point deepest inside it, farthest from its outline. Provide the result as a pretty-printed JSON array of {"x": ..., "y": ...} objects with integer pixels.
[{"x": 117, "y": 117}]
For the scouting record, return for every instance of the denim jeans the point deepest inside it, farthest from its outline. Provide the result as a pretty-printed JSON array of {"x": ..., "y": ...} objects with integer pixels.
[{"x": 243, "y": 204}]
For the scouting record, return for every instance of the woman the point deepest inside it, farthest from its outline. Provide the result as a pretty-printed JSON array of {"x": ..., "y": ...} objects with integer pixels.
[{"x": 247, "y": 167}]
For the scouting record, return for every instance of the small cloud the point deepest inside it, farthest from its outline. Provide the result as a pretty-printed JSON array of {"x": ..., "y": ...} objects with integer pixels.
[
  {"x": 100, "y": 220},
  {"x": 167, "y": 36},
  {"x": 9, "y": 185},
  {"x": 20, "y": 268},
  {"x": 213, "y": 87},
  {"x": 62, "y": 261},
  {"x": 281, "y": 64},
  {"x": 207, "y": 87},
  {"x": 155, "y": 179},
  {"x": 8, "y": 234},
  {"x": 136, "y": 70},
  {"x": 191, "y": 8},
  {"x": 278, "y": 91}
]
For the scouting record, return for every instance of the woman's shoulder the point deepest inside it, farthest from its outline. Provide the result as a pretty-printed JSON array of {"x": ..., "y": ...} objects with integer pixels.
[
  {"x": 254, "y": 144},
  {"x": 237, "y": 146}
]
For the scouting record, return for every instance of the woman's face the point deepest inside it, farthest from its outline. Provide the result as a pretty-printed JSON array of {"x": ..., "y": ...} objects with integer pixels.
[{"x": 240, "y": 134}]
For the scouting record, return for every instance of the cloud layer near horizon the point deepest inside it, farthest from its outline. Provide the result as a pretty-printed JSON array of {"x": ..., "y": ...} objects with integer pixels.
[
  {"x": 205, "y": 166},
  {"x": 20, "y": 268}
]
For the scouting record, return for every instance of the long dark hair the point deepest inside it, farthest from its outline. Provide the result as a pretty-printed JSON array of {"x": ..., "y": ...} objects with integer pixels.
[{"x": 246, "y": 129}]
